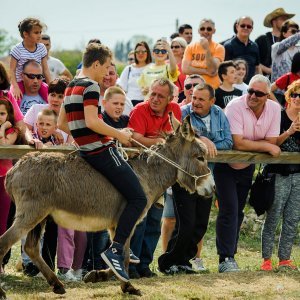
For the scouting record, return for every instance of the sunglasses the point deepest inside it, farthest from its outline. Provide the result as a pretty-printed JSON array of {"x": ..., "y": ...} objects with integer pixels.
[
  {"x": 188, "y": 86},
  {"x": 208, "y": 29},
  {"x": 257, "y": 93},
  {"x": 293, "y": 31},
  {"x": 162, "y": 51},
  {"x": 246, "y": 26},
  {"x": 140, "y": 51},
  {"x": 175, "y": 47},
  {"x": 33, "y": 76},
  {"x": 295, "y": 95},
  {"x": 130, "y": 59}
]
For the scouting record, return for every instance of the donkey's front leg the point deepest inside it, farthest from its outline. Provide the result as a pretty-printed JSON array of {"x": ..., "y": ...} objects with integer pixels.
[{"x": 127, "y": 287}]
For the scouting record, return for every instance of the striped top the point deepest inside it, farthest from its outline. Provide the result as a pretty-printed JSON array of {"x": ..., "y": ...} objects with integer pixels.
[
  {"x": 21, "y": 54},
  {"x": 79, "y": 93}
]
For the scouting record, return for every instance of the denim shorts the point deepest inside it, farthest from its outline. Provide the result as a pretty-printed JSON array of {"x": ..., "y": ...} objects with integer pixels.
[{"x": 168, "y": 207}]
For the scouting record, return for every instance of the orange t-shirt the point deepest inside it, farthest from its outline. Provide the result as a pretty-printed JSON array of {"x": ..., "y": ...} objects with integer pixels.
[{"x": 196, "y": 55}]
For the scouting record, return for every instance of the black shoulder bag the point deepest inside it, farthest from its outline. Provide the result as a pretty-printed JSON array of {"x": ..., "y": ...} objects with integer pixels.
[{"x": 262, "y": 191}]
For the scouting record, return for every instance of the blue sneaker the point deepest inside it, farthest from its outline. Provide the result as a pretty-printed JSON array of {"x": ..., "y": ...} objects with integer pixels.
[
  {"x": 133, "y": 258},
  {"x": 228, "y": 265},
  {"x": 114, "y": 258}
]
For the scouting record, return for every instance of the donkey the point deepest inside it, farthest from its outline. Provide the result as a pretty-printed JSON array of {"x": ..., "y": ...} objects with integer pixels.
[{"x": 78, "y": 197}]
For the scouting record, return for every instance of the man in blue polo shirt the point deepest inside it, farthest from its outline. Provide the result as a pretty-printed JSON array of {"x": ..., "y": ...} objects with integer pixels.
[{"x": 240, "y": 46}]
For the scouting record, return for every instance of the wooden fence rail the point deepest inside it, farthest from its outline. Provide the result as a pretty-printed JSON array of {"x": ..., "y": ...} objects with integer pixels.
[{"x": 228, "y": 156}]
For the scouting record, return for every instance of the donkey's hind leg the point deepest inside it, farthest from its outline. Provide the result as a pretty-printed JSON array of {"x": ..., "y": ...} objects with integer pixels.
[
  {"x": 32, "y": 248},
  {"x": 10, "y": 237}
]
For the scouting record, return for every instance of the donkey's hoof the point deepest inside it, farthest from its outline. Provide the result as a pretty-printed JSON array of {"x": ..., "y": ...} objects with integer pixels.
[
  {"x": 59, "y": 289},
  {"x": 91, "y": 276},
  {"x": 2, "y": 294},
  {"x": 127, "y": 287},
  {"x": 96, "y": 276}
]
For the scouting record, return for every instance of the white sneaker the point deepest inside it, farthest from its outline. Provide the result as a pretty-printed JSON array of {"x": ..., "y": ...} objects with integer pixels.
[
  {"x": 197, "y": 264},
  {"x": 78, "y": 274},
  {"x": 67, "y": 276},
  {"x": 40, "y": 275}
]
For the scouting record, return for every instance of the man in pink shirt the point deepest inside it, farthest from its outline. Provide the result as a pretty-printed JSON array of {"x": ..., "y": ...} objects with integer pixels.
[{"x": 255, "y": 125}]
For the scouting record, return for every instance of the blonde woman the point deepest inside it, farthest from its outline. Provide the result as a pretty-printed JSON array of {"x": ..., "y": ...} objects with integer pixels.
[{"x": 160, "y": 68}]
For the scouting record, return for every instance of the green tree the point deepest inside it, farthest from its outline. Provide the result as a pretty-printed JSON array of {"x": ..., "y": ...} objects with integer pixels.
[
  {"x": 121, "y": 49},
  {"x": 71, "y": 58},
  {"x": 6, "y": 42}
]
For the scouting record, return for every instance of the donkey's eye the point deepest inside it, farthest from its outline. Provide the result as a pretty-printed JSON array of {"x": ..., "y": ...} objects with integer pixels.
[{"x": 200, "y": 158}]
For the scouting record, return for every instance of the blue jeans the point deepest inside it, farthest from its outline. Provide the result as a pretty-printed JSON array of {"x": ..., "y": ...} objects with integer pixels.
[
  {"x": 97, "y": 242},
  {"x": 145, "y": 238},
  {"x": 119, "y": 173}
]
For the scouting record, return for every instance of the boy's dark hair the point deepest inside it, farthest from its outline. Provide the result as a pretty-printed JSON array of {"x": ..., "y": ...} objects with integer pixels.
[
  {"x": 10, "y": 109},
  {"x": 95, "y": 52},
  {"x": 223, "y": 67},
  {"x": 57, "y": 86},
  {"x": 27, "y": 24},
  {"x": 286, "y": 26},
  {"x": 296, "y": 63},
  {"x": 144, "y": 44},
  {"x": 4, "y": 85},
  {"x": 97, "y": 41},
  {"x": 183, "y": 27}
]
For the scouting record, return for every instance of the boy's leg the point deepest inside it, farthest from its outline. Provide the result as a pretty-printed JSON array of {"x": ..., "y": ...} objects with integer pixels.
[{"x": 119, "y": 173}]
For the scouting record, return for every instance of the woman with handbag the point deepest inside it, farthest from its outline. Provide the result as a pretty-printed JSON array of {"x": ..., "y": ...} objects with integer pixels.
[{"x": 286, "y": 203}]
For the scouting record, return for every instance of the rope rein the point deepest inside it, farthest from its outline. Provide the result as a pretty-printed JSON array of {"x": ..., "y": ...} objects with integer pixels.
[
  {"x": 169, "y": 161},
  {"x": 150, "y": 150}
]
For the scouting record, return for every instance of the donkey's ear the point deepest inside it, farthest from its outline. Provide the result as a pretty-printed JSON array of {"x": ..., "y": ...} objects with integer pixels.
[
  {"x": 175, "y": 124},
  {"x": 187, "y": 130}
]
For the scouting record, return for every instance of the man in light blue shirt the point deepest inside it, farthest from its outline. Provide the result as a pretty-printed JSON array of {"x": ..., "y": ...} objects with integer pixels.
[{"x": 191, "y": 210}]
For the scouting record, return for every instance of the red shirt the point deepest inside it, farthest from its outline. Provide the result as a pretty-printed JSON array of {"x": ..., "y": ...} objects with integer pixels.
[
  {"x": 144, "y": 121},
  {"x": 286, "y": 79}
]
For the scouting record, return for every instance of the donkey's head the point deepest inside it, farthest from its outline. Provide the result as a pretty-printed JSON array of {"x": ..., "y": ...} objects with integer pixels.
[{"x": 190, "y": 153}]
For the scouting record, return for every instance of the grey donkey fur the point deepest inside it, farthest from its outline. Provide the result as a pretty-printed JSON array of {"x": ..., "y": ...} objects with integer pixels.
[{"x": 78, "y": 197}]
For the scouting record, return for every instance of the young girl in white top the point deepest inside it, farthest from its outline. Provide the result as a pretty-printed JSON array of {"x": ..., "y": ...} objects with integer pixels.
[
  {"x": 241, "y": 72},
  {"x": 30, "y": 48}
]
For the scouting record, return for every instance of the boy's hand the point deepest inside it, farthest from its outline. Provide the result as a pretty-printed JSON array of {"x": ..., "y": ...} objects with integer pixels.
[
  {"x": 125, "y": 136},
  {"x": 37, "y": 143}
]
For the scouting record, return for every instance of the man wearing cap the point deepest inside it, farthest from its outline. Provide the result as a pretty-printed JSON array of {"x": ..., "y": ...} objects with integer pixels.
[{"x": 273, "y": 20}]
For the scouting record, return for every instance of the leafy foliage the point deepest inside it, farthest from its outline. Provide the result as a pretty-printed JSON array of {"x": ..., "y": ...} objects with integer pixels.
[
  {"x": 6, "y": 42},
  {"x": 71, "y": 58},
  {"x": 122, "y": 48}
]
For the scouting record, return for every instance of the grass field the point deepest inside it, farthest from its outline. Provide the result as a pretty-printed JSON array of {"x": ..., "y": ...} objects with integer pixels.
[{"x": 250, "y": 283}]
